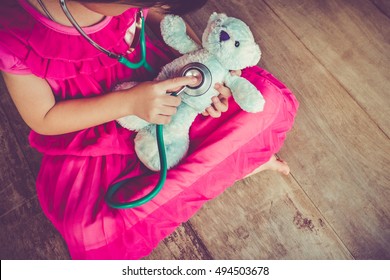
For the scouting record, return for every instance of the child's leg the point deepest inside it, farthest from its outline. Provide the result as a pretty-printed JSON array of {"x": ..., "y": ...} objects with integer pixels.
[
  {"x": 71, "y": 188},
  {"x": 274, "y": 164}
]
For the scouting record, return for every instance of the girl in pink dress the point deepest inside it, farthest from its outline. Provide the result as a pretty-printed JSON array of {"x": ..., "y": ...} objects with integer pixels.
[{"x": 63, "y": 88}]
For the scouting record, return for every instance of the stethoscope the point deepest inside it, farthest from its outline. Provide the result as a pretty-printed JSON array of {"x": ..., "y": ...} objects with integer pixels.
[
  {"x": 198, "y": 70},
  {"x": 140, "y": 27}
]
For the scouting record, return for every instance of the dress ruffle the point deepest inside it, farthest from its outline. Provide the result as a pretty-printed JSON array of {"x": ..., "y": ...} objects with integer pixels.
[{"x": 52, "y": 54}]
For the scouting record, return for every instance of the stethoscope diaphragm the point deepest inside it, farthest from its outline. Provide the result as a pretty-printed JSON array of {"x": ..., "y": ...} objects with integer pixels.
[{"x": 203, "y": 75}]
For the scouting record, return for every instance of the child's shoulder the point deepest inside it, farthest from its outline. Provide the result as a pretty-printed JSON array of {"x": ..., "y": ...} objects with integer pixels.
[{"x": 15, "y": 27}]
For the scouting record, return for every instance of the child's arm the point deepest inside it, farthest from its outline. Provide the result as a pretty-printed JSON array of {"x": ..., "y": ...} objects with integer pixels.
[
  {"x": 220, "y": 103},
  {"x": 36, "y": 104}
]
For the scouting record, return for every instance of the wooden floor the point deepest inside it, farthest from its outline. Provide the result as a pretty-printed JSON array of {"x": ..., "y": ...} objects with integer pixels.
[{"x": 335, "y": 204}]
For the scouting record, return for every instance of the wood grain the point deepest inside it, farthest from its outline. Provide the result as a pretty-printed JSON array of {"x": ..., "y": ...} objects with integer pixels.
[
  {"x": 340, "y": 154},
  {"x": 27, "y": 234},
  {"x": 183, "y": 244},
  {"x": 25, "y": 231},
  {"x": 20, "y": 129},
  {"x": 14, "y": 188},
  {"x": 266, "y": 216},
  {"x": 351, "y": 39},
  {"x": 383, "y": 6}
]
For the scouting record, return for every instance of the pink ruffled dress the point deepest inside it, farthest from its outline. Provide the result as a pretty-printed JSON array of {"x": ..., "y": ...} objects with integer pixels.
[{"x": 78, "y": 168}]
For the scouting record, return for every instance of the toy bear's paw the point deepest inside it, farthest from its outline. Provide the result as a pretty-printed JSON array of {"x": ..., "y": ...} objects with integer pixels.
[
  {"x": 246, "y": 95},
  {"x": 250, "y": 101},
  {"x": 173, "y": 31},
  {"x": 132, "y": 123},
  {"x": 172, "y": 24},
  {"x": 147, "y": 149}
]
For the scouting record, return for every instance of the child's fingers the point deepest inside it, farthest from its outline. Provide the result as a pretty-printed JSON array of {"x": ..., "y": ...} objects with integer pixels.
[
  {"x": 174, "y": 84},
  {"x": 213, "y": 112},
  {"x": 236, "y": 73},
  {"x": 167, "y": 111},
  {"x": 220, "y": 104},
  {"x": 172, "y": 101},
  {"x": 225, "y": 91}
]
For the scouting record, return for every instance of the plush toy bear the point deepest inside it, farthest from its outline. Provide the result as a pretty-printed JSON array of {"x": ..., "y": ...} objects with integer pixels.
[{"x": 228, "y": 44}]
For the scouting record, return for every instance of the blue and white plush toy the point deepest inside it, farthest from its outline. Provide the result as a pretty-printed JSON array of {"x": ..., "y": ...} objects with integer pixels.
[{"x": 227, "y": 44}]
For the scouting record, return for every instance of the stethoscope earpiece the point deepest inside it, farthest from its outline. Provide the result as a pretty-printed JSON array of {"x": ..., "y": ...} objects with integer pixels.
[{"x": 140, "y": 25}]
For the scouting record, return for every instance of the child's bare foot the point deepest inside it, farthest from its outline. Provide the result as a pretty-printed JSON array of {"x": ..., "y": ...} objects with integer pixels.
[{"x": 274, "y": 164}]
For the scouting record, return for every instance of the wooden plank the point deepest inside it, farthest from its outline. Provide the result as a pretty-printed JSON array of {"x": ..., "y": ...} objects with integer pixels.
[
  {"x": 352, "y": 40},
  {"x": 340, "y": 166},
  {"x": 266, "y": 216},
  {"x": 15, "y": 175},
  {"x": 383, "y": 6},
  {"x": 26, "y": 233},
  {"x": 20, "y": 129},
  {"x": 339, "y": 155},
  {"x": 183, "y": 244}
]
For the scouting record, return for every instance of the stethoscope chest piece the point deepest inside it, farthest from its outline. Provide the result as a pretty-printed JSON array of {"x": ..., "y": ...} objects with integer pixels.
[{"x": 202, "y": 73}]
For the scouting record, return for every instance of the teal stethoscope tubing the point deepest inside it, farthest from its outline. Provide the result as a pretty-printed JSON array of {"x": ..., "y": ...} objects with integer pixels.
[
  {"x": 163, "y": 175},
  {"x": 159, "y": 128}
]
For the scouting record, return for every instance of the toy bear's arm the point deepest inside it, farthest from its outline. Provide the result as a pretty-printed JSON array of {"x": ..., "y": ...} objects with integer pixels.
[
  {"x": 173, "y": 68},
  {"x": 173, "y": 31},
  {"x": 247, "y": 96}
]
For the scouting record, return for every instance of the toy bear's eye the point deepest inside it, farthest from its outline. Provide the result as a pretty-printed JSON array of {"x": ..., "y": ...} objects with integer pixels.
[{"x": 236, "y": 44}]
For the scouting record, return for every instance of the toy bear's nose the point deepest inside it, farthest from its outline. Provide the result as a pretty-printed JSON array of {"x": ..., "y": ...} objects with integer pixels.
[{"x": 223, "y": 36}]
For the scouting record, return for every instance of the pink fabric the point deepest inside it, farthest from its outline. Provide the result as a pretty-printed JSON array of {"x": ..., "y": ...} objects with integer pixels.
[{"x": 78, "y": 168}]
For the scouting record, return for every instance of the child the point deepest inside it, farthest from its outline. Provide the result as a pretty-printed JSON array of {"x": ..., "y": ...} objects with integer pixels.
[{"x": 62, "y": 87}]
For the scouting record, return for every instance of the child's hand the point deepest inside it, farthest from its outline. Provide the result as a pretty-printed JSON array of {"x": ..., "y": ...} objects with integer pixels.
[
  {"x": 220, "y": 102},
  {"x": 151, "y": 101}
]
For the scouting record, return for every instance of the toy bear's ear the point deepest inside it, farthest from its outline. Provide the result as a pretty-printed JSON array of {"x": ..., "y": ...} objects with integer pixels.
[{"x": 215, "y": 17}]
